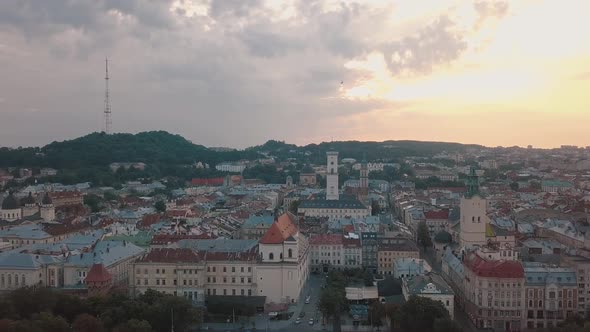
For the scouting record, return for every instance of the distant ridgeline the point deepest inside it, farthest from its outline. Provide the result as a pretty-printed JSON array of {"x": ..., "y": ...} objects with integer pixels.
[{"x": 99, "y": 149}]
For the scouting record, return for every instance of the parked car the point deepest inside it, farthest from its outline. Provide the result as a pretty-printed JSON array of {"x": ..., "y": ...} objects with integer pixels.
[
  {"x": 311, "y": 321},
  {"x": 302, "y": 314},
  {"x": 298, "y": 320},
  {"x": 307, "y": 300}
]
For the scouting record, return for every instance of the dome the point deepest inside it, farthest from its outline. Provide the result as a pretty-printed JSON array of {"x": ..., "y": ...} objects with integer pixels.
[
  {"x": 443, "y": 237},
  {"x": 46, "y": 199},
  {"x": 10, "y": 203},
  {"x": 28, "y": 200}
]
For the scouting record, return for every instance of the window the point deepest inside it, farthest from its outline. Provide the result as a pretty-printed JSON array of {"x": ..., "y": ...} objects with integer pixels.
[
  {"x": 242, "y": 280},
  {"x": 224, "y": 291},
  {"x": 271, "y": 256},
  {"x": 233, "y": 292},
  {"x": 242, "y": 269},
  {"x": 208, "y": 269},
  {"x": 157, "y": 271},
  {"x": 214, "y": 269},
  {"x": 164, "y": 282},
  {"x": 290, "y": 253},
  {"x": 145, "y": 281},
  {"x": 249, "y": 292},
  {"x": 208, "y": 279},
  {"x": 163, "y": 271},
  {"x": 157, "y": 281},
  {"x": 233, "y": 269},
  {"x": 224, "y": 269},
  {"x": 249, "y": 280},
  {"x": 242, "y": 292},
  {"x": 224, "y": 280},
  {"x": 190, "y": 282},
  {"x": 233, "y": 280},
  {"x": 184, "y": 282},
  {"x": 249, "y": 269},
  {"x": 175, "y": 282}
]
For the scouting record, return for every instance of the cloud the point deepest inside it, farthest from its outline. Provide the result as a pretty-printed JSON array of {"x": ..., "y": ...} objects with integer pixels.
[
  {"x": 437, "y": 43},
  {"x": 237, "y": 73},
  {"x": 489, "y": 9}
]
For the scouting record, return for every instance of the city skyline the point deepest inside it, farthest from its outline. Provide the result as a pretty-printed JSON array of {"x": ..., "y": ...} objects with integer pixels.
[{"x": 237, "y": 74}]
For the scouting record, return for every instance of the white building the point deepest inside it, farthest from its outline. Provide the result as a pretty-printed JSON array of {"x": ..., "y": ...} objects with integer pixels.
[
  {"x": 327, "y": 252},
  {"x": 283, "y": 268},
  {"x": 230, "y": 167},
  {"x": 332, "y": 176},
  {"x": 431, "y": 286}
]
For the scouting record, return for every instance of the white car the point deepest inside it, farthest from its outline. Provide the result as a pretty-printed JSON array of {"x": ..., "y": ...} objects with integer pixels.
[
  {"x": 307, "y": 300},
  {"x": 311, "y": 321},
  {"x": 298, "y": 320}
]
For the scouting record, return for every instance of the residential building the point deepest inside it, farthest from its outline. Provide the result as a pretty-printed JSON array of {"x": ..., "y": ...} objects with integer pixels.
[
  {"x": 353, "y": 251},
  {"x": 256, "y": 226},
  {"x": 556, "y": 186},
  {"x": 391, "y": 249},
  {"x": 327, "y": 252},
  {"x": 410, "y": 267},
  {"x": 230, "y": 167},
  {"x": 430, "y": 286},
  {"x": 551, "y": 295},
  {"x": 494, "y": 293}
]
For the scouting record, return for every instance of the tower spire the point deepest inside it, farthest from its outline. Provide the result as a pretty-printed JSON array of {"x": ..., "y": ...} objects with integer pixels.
[
  {"x": 107, "y": 101},
  {"x": 472, "y": 183}
]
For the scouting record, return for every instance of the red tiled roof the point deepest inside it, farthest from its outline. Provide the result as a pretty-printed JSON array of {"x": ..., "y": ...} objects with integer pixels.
[
  {"x": 207, "y": 182},
  {"x": 498, "y": 269},
  {"x": 64, "y": 194},
  {"x": 149, "y": 219},
  {"x": 170, "y": 255},
  {"x": 348, "y": 228},
  {"x": 60, "y": 229},
  {"x": 437, "y": 214},
  {"x": 162, "y": 239},
  {"x": 98, "y": 273},
  {"x": 280, "y": 230},
  {"x": 333, "y": 239},
  {"x": 351, "y": 243}
]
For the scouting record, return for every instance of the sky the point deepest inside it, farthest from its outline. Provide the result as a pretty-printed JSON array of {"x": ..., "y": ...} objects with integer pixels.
[{"x": 240, "y": 72}]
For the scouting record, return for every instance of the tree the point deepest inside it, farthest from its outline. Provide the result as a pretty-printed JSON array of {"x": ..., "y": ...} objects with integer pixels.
[
  {"x": 420, "y": 314},
  {"x": 48, "y": 322},
  {"x": 333, "y": 298},
  {"x": 110, "y": 196},
  {"x": 376, "y": 313},
  {"x": 446, "y": 325},
  {"x": 133, "y": 325},
  {"x": 423, "y": 235},
  {"x": 368, "y": 278},
  {"x": 293, "y": 207},
  {"x": 375, "y": 208},
  {"x": 160, "y": 206},
  {"x": 391, "y": 311},
  {"x": 87, "y": 323},
  {"x": 93, "y": 202}
]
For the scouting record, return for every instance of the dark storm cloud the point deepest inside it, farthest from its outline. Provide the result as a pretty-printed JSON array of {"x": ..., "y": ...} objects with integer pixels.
[{"x": 236, "y": 77}]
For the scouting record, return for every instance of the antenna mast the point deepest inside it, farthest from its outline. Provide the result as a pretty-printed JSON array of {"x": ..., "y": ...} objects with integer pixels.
[{"x": 107, "y": 101}]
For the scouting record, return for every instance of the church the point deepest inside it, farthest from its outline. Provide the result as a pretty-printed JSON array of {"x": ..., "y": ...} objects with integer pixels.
[{"x": 28, "y": 208}]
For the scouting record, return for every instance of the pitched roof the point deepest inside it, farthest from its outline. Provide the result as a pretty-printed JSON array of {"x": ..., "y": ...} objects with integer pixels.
[
  {"x": 326, "y": 239},
  {"x": 98, "y": 273},
  {"x": 437, "y": 214},
  {"x": 207, "y": 182},
  {"x": 498, "y": 269},
  {"x": 281, "y": 229},
  {"x": 170, "y": 255},
  {"x": 163, "y": 239}
]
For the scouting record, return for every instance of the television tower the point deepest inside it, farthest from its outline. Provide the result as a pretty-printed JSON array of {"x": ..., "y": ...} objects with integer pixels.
[{"x": 107, "y": 102}]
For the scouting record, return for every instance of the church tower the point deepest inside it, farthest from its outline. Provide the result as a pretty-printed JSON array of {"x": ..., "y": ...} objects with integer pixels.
[
  {"x": 47, "y": 209},
  {"x": 473, "y": 214},
  {"x": 332, "y": 176}
]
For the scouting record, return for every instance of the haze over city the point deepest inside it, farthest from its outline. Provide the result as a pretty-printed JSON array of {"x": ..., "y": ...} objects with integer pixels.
[{"x": 236, "y": 73}]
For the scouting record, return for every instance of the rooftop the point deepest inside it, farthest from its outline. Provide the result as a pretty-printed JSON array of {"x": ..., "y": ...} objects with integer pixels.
[
  {"x": 497, "y": 269},
  {"x": 281, "y": 230},
  {"x": 351, "y": 204},
  {"x": 169, "y": 255}
]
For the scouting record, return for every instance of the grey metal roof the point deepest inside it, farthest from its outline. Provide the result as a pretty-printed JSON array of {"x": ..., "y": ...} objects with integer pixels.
[
  {"x": 353, "y": 204},
  {"x": 218, "y": 245}
]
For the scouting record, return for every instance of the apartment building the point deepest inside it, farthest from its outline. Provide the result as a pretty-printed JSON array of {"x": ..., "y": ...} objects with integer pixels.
[
  {"x": 494, "y": 293},
  {"x": 551, "y": 295},
  {"x": 391, "y": 249},
  {"x": 327, "y": 252}
]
